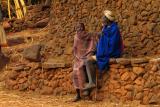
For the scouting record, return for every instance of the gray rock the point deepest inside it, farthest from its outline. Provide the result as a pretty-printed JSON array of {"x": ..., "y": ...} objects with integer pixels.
[
  {"x": 139, "y": 60},
  {"x": 123, "y": 61},
  {"x": 23, "y": 87},
  {"x": 42, "y": 23},
  {"x": 18, "y": 68},
  {"x": 151, "y": 26},
  {"x": 112, "y": 61},
  {"x": 51, "y": 64},
  {"x": 133, "y": 20},
  {"x": 32, "y": 53},
  {"x": 48, "y": 65},
  {"x": 136, "y": 4},
  {"x": 154, "y": 100}
]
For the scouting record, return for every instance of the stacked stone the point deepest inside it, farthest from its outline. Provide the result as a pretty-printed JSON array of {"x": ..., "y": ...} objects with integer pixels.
[
  {"x": 127, "y": 79},
  {"x": 134, "y": 79},
  {"x": 32, "y": 77},
  {"x": 139, "y": 22},
  {"x": 35, "y": 17}
]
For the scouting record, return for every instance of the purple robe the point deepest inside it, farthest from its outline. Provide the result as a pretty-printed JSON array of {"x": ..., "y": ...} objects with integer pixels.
[{"x": 84, "y": 46}]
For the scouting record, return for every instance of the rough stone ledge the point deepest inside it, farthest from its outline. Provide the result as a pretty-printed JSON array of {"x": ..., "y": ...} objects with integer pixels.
[
  {"x": 61, "y": 64},
  {"x": 48, "y": 65},
  {"x": 128, "y": 61},
  {"x": 154, "y": 60}
]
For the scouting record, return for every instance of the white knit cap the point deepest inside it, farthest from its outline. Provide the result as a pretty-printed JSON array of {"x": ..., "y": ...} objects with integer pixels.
[{"x": 109, "y": 14}]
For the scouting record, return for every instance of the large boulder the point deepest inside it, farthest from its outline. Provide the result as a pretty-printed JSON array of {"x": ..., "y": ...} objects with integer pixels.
[
  {"x": 42, "y": 23},
  {"x": 32, "y": 53}
]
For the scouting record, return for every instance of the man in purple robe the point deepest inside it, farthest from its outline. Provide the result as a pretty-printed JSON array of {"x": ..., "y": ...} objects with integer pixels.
[{"x": 84, "y": 47}]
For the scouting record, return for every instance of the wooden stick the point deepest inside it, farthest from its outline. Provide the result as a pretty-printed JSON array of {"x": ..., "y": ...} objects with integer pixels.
[
  {"x": 9, "y": 9},
  {"x": 23, "y": 6},
  {"x": 96, "y": 85}
]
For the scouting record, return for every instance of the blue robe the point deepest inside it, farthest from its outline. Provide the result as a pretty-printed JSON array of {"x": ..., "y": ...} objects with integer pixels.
[{"x": 109, "y": 45}]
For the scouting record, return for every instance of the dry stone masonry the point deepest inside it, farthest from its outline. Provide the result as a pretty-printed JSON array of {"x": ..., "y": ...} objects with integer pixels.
[
  {"x": 127, "y": 79},
  {"x": 134, "y": 79},
  {"x": 139, "y": 22}
]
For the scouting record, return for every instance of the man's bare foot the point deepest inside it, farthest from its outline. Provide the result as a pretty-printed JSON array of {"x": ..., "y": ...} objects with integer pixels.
[
  {"x": 86, "y": 93},
  {"x": 90, "y": 86},
  {"x": 77, "y": 98}
]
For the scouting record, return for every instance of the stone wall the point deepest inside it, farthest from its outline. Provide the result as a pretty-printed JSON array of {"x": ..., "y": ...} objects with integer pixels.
[
  {"x": 127, "y": 79},
  {"x": 139, "y": 22},
  {"x": 133, "y": 79}
]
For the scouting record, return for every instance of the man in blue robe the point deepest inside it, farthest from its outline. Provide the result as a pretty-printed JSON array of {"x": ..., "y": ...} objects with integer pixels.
[{"x": 109, "y": 46}]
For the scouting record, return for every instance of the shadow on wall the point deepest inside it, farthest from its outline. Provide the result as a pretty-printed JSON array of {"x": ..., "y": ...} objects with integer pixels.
[{"x": 3, "y": 61}]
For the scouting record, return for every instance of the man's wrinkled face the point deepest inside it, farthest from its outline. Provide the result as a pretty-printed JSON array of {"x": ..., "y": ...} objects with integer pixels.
[
  {"x": 105, "y": 20},
  {"x": 80, "y": 27}
]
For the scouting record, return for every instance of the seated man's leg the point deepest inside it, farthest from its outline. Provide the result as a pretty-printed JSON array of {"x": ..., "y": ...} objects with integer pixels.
[{"x": 91, "y": 72}]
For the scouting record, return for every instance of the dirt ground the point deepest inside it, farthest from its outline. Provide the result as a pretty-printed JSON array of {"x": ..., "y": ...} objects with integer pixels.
[{"x": 30, "y": 99}]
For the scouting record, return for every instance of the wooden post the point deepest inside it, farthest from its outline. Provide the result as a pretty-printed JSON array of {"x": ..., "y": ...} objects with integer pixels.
[{"x": 96, "y": 85}]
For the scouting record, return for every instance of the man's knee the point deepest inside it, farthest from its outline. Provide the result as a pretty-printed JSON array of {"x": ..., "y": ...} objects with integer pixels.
[{"x": 89, "y": 61}]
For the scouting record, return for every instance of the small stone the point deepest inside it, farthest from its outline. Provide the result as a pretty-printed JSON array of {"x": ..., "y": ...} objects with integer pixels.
[
  {"x": 32, "y": 53},
  {"x": 34, "y": 66},
  {"x": 132, "y": 20},
  {"x": 145, "y": 76},
  {"x": 154, "y": 60},
  {"x": 18, "y": 68},
  {"x": 13, "y": 75},
  {"x": 133, "y": 76},
  {"x": 139, "y": 81},
  {"x": 15, "y": 87},
  {"x": 22, "y": 80},
  {"x": 135, "y": 4},
  {"x": 34, "y": 81},
  {"x": 123, "y": 92},
  {"x": 53, "y": 84},
  {"x": 42, "y": 23},
  {"x": 51, "y": 64},
  {"x": 144, "y": 13},
  {"x": 154, "y": 100},
  {"x": 138, "y": 88},
  {"x": 10, "y": 82},
  {"x": 154, "y": 68},
  {"x": 57, "y": 91},
  {"x": 138, "y": 70},
  {"x": 123, "y": 61},
  {"x": 139, "y": 60},
  {"x": 22, "y": 74},
  {"x": 129, "y": 95},
  {"x": 129, "y": 87},
  {"x": 125, "y": 76},
  {"x": 139, "y": 96},
  {"x": 23, "y": 87},
  {"x": 33, "y": 87},
  {"x": 115, "y": 83},
  {"x": 112, "y": 61},
  {"x": 46, "y": 90},
  {"x": 150, "y": 84},
  {"x": 145, "y": 100},
  {"x": 151, "y": 26},
  {"x": 148, "y": 1}
]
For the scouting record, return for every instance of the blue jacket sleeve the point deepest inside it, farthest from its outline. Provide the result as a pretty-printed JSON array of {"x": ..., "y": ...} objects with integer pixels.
[{"x": 114, "y": 43}]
